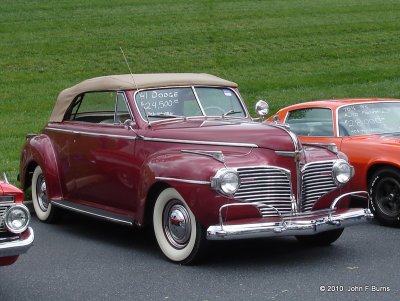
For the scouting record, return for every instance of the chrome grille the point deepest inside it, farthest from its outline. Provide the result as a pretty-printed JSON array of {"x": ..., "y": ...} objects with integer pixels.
[
  {"x": 317, "y": 181},
  {"x": 267, "y": 185},
  {"x": 3, "y": 210}
]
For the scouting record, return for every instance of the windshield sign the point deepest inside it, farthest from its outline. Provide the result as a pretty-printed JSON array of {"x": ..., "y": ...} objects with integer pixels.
[
  {"x": 156, "y": 104},
  {"x": 369, "y": 118}
]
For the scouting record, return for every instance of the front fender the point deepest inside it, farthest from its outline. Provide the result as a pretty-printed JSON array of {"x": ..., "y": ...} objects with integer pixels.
[
  {"x": 190, "y": 175},
  {"x": 39, "y": 150}
]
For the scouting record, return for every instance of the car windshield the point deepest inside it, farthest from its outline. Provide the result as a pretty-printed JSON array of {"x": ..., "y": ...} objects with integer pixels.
[
  {"x": 369, "y": 118},
  {"x": 156, "y": 104}
]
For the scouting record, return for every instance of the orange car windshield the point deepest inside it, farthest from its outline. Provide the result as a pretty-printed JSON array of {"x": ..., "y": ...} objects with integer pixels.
[{"x": 369, "y": 118}]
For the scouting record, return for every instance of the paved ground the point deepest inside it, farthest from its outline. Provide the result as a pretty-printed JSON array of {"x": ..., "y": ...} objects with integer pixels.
[{"x": 86, "y": 259}]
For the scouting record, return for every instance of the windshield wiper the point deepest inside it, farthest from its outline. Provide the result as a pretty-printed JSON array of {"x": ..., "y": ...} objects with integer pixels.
[
  {"x": 230, "y": 112},
  {"x": 162, "y": 115}
]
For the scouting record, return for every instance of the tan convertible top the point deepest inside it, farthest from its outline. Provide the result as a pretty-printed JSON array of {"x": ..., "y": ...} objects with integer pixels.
[{"x": 132, "y": 82}]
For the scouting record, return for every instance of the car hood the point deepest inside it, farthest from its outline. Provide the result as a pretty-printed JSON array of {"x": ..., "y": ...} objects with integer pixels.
[{"x": 242, "y": 133}]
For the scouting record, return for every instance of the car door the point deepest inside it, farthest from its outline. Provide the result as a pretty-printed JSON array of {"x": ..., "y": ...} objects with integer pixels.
[{"x": 101, "y": 157}]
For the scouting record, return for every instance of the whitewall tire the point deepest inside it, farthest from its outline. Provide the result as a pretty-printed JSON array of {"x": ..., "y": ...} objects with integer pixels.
[
  {"x": 179, "y": 236},
  {"x": 43, "y": 208}
]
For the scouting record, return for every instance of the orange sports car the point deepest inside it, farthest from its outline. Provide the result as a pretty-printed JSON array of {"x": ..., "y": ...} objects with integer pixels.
[{"x": 368, "y": 132}]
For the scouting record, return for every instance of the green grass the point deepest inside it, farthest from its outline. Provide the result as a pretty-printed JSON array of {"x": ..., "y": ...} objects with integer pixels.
[{"x": 285, "y": 51}]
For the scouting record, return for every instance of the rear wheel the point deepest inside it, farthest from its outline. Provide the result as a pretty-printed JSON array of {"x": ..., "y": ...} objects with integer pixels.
[
  {"x": 43, "y": 208},
  {"x": 384, "y": 190},
  {"x": 180, "y": 237},
  {"x": 321, "y": 239}
]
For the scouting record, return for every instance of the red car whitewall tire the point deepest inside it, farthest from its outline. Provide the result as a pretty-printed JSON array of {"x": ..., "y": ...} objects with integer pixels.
[
  {"x": 178, "y": 234},
  {"x": 43, "y": 209}
]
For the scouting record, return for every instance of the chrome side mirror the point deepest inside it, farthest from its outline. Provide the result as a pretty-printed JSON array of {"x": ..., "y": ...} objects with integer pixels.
[{"x": 262, "y": 108}]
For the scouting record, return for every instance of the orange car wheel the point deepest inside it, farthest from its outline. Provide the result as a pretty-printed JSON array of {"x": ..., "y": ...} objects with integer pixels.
[{"x": 384, "y": 189}]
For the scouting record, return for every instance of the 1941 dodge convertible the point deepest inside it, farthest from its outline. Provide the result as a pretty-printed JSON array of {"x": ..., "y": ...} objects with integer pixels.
[{"x": 181, "y": 153}]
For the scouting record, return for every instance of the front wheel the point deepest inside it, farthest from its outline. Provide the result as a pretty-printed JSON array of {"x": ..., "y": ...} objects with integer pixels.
[
  {"x": 179, "y": 236},
  {"x": 384, "y": 190},
  {"x": 43, "y": 208},
  {"x": 321, "y": 239}
]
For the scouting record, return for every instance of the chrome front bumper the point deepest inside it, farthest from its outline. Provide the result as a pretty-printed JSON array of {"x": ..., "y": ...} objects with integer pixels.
[
  {"x": 17, "y": 247},
  {"x": 301, "y": 224}
]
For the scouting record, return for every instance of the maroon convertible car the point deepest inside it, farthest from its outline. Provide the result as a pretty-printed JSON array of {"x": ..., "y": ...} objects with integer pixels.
[{"x": 181, "y": 153}]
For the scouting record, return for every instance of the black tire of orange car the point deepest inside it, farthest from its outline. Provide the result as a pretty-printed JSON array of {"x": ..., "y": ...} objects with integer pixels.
[
  {"x": 186, "y": 245},
  {"x": 321, "y": 239},
  {"x": 43, "y": 209},
  {"x": 384, "y": 191}
]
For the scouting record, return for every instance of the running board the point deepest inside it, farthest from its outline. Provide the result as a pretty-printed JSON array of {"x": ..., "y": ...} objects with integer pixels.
[{"x": 95, "y": 212}]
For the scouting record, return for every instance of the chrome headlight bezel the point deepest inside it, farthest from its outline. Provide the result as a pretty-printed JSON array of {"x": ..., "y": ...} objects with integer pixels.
[
  {"x": 19, "y": 213},
  {"x": 342, "y": 172},
  {"x": 226, "y": 181}
]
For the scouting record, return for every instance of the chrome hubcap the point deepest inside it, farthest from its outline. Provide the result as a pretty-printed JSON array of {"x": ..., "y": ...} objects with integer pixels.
[
  {"x": 41, "y": 193},
  {"x": 177, "y": 224}
]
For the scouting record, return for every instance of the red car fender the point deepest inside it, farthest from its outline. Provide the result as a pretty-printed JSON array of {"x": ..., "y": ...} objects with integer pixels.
[{"x": 39, "y": 151}]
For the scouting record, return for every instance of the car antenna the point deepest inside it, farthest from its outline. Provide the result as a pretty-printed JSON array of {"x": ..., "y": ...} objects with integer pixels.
[{"x": 134, "y": 82}]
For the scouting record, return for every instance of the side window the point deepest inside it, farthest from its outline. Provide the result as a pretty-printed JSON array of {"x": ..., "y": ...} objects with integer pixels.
[
  {"x": 95, "y": 107},
  {"x": 311, "y": 122},
  {"x": 100, "y": 107},
  {"x": 121, "y": 110}
]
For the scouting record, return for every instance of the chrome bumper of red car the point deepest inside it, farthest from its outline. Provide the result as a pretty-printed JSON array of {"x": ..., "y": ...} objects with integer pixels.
[
  {"x": 19, "y": 246},
  {"x": 303, "y": 224}
]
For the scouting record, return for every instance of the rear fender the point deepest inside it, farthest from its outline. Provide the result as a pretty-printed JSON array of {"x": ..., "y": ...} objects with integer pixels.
[{"x": 39, "y": 150}]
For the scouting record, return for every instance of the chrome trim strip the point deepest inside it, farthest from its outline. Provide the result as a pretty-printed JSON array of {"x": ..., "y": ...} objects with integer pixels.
[
  {"x": 184, "y": 181},
  {"x": 286, "y": 153},
  {"x": 94, "y": 212},
  {"x": 201, "y": 142},
  {"x": 329, "y": 146},
  {"x": 198, "y": 101},
  {"x": 217, "y": 155},
  {"x": 17, "y": 247},
  {"x": 155, "y": 139},
  {"x": 91, "y": 133}
]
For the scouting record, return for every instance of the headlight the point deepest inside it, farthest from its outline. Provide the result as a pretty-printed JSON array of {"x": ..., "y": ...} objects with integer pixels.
[
  {"x": 342, "y": 172},
  {"x": 226, "y": 181},
  {"x": 17, "y": 218}
]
